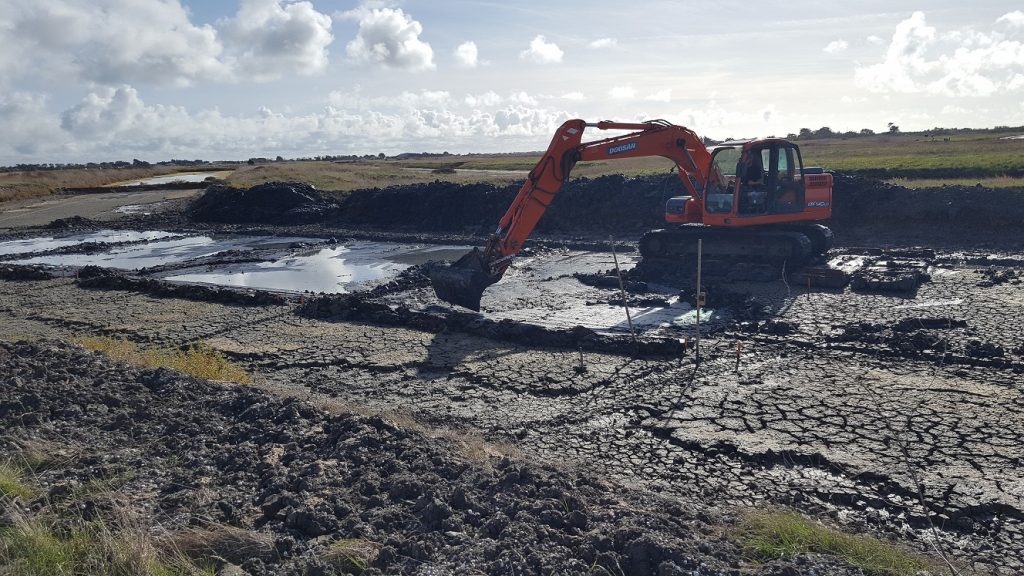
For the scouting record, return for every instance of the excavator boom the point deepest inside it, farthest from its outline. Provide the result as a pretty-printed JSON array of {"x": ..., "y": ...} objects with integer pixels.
[{"x": 464, "y": 282}]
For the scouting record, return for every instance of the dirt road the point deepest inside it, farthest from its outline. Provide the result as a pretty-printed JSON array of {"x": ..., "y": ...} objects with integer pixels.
[{"x": 40, "y": 211}]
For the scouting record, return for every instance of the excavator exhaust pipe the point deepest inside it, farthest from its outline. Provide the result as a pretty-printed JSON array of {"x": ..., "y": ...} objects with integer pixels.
[{"x": 463, "y": 282}]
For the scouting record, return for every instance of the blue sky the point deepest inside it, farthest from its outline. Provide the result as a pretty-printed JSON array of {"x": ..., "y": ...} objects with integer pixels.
[{"x": 87, "y": 80}]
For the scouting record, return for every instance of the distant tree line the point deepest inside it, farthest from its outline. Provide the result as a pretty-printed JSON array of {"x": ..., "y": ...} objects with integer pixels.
[
  {"x": 115, "y": 165},
  {"x": 893, "y": 128}
]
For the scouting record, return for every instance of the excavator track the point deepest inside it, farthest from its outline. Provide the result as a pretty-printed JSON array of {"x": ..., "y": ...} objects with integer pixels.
[{"x": 792, "y": 246}]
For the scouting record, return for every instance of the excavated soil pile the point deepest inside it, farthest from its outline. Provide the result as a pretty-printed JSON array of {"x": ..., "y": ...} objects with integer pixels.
[
  {"x": 861, "y": 203},
  {"x": 604, "y": 204},
  {"x": 234, "y": 476},
  {"x": 272, "y": 203}
]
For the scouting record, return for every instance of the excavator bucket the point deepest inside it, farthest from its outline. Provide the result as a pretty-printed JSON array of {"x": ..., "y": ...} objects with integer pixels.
[{"x": 463, "y": 282}]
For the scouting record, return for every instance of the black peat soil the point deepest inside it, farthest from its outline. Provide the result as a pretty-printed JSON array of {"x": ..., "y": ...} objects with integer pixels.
[
  {"x": 864, "y": 209},
  {"x": 197, "y": 455}
]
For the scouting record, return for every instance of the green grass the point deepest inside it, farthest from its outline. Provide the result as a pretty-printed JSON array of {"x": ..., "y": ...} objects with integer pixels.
[
  {"x": 773, "y": 535},
  {"x": 12, "y": 483},
  {"x": 36, "y": 548},
  {"x": 198, "y": 360},
  {"x": 985, "y": 154},
  {"x": 990, "y": 182}
]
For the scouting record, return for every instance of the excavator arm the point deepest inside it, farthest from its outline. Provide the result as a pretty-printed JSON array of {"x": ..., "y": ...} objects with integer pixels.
[{"x": 463, "y": 282}]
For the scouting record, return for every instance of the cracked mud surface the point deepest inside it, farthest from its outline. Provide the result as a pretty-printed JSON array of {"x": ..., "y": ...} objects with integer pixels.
[
  {"x": 814, "y": 418},
  {"x": 843, "y": 400},
  {"x": 275, "y": 485}
]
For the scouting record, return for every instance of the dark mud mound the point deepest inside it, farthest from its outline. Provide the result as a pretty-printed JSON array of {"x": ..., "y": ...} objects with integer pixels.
[
  {"x": 273, "y": 203},
  {"x": 72, "y": 223},
  {"x": 107, "y": 279},
  {"x": 358, "y": 307},
  {"x": 22, "y": 272},
  {"x": 955, "y": 213},
  {"x": 279, "y": 487},
  {"x": 594, "y": 205}
]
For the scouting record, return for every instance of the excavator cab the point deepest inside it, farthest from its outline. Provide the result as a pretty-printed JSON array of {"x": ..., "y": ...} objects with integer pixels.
[{"x": 756, "y": 182}]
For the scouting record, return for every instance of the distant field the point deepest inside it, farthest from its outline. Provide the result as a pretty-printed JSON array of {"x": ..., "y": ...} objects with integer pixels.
[
  {"x": 914, "y": 155},
  {"x": 913, "y": 160},
  {"x": 496, "y": 169},
  {"x": 28, "y": 184}
]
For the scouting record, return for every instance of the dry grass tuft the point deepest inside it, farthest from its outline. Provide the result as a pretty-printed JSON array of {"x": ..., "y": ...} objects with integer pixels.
[
  {"x": 352, "y": 556},
  {"x": 235, "y": 545},
  {"x": 198, "y": 360}
]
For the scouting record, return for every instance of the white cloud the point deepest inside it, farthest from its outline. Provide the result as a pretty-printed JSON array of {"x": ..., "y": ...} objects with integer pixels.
[
  {"x": 958, "y": 63},
  {"x": 542, "y": 52},
  {"x": 116, "y": 123},
  {"x": 660, "y": 96},
  {"x": 487, "y": 99},
  {"x": 522, "y": 97},
  {"x": 876, "y": 40},
  {"x": 714, "y": 118},
  {"x": 28, "y": 129},
  {"x": 269, "y": 38},
  {"x": 622, "y": 92},
  {"x": 466, "y": 54},
  {"x": 604, "y": 43},
  {"x": 391, "y": 38},
  {"x": 836, "y": 46},
  {"x": 112, "y": 42},
  {"x": 108, "y": 42},
  {"x": 576, "y": 96},
  {"x": 1015, "y": 18}
]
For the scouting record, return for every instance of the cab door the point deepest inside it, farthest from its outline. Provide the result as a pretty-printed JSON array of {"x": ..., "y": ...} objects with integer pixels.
[{"x": 785, "y": 180}]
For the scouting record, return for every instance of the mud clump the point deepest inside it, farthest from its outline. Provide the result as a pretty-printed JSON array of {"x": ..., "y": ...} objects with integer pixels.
[
  {"x": 272, "y": 203},
  {"x": 359, "y": 307},
  {"x": 290, "y": 489},
  {"x": 21, "y": 272},
  {"x": 72, "y": 223},
  {"x": 993, "y": 276},
  {"x": 106, "y": 279}
]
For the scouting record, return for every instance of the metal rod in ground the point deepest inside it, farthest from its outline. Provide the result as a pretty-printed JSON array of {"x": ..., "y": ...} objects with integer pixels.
[
  {"x": 622, "y": 289},
  {"x": 699, "y": 301}
]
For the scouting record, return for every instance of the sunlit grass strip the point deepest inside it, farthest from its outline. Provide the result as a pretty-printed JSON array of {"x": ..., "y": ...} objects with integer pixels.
[
  {"x": 995, "y": 182},
  {"x": 197, "y": 360},
  {"x": 773, "y": 535}
]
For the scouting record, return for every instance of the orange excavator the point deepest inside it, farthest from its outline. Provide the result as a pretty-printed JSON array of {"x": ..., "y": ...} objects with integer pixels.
[{"x": 748, "y": 200}]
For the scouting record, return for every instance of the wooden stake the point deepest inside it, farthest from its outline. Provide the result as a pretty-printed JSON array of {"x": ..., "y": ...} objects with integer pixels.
[
  {"x": 700, "y": 298},
  {"x": 622, "y": 290}
]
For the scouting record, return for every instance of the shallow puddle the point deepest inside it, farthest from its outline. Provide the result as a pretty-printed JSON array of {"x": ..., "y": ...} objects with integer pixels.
[
  {"x": 185, "y": 177},
  {"x": 102, "y": 236},
  {"x": 161, "y": 252},
  {"x": 331, "y": 270}
]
